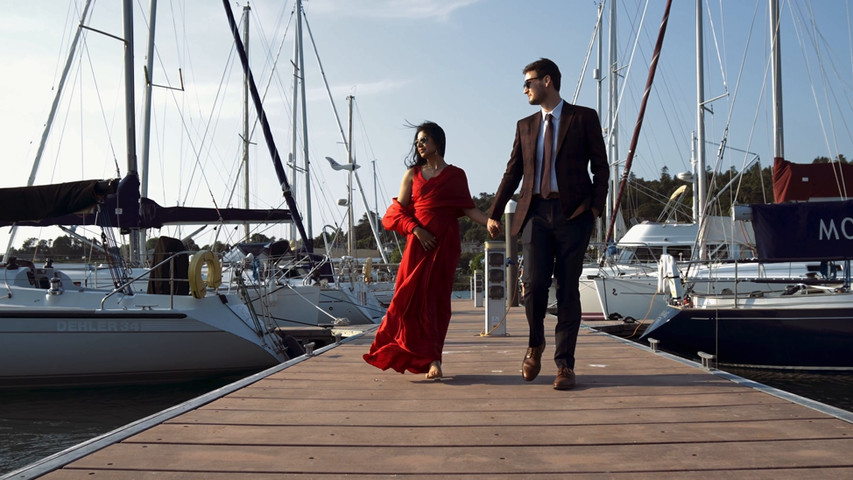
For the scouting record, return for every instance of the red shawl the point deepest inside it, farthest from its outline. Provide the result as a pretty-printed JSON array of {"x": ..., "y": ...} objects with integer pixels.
[{"x": 414, "y": 328}]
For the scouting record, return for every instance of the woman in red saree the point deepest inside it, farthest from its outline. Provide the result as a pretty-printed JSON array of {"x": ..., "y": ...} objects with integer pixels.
[{"x": 433, "y": 195}]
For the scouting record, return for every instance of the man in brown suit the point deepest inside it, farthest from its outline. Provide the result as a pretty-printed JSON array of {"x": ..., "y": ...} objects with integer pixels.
[{"x": 555, "y": 213}]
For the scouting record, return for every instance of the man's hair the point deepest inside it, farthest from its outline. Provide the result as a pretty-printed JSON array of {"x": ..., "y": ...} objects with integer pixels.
[{"x": 543, "y": 67}]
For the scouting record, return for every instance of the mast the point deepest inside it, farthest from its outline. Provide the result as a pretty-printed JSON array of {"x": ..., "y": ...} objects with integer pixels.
[
  {"x": 613, "y": 94},
  {"x": 146, "y": 111},
  {"x": 699, "y": 193},
  {"x": 297, "y": 52},
  {"x": 599, "y": 236},
  {"x": 130, "y": 122},
  {"x": 375, "y": 191},
  {"x": 305, "y": 159},
  {"x": 246, "y": 10},
  {"x": 299, "y": 97},
  {"x": 351, "y": 162},
  {"x": 776, "y": 76}
]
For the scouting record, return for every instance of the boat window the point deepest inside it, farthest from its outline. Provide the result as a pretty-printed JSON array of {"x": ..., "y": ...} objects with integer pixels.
[{"x": 679, "y": 252}]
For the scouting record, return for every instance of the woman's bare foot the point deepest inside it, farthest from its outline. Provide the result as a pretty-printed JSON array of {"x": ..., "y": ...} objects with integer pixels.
[{"x": 434, "y": 371}]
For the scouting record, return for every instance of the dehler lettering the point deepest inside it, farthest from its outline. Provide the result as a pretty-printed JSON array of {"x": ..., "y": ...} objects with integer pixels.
[{"x": 96, "y": 326}]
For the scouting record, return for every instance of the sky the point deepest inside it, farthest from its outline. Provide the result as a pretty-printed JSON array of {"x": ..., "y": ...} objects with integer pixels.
[{"x": 456, "y": 62}]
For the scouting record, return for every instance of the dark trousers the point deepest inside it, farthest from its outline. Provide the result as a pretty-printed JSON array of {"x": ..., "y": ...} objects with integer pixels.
[{"x": 554, "y": 246}]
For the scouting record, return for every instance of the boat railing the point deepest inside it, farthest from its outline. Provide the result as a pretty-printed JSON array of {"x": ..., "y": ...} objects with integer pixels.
[
  {"x": 127, "y": 285},
  {"x": 818, "y": 276}
]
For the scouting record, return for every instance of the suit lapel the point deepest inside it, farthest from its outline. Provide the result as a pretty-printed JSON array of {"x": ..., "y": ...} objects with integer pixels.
[
  {"x": 534, "y": 123},
  {"x": 567, "y": 116}
]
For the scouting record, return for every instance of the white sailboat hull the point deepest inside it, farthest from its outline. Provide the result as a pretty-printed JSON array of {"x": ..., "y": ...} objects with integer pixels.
[{"x": 65, "y": 337}]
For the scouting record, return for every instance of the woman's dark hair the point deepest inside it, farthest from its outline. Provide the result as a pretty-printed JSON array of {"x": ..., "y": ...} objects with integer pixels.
[
  {"x": 544, "y": 67},
  {"x": 435, "y": 133}
]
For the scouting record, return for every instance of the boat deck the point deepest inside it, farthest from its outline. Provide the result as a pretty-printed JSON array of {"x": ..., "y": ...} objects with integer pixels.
[{"x": 635, "y": 414}]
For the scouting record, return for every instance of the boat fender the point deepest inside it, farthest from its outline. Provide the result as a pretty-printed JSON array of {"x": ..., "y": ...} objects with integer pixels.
[
  {"x": 367, "y": 271},
  {"x": 199, "y": 285}
]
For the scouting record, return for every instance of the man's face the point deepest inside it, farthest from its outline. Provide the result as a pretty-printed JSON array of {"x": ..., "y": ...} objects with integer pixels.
[{"x": 534, "y": 88}]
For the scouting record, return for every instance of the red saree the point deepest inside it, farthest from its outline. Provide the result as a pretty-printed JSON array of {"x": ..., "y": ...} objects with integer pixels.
[{"x": 414, "y": 328}]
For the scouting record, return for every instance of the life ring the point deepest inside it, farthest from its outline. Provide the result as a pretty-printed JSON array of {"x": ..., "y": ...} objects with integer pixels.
[{"x": 198, "y": 285}]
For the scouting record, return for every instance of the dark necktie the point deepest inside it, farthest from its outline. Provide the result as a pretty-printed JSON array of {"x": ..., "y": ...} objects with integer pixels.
[{"x": 545, "y": 184}]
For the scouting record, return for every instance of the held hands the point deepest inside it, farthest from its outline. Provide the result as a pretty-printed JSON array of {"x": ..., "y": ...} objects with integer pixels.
[
  {"x": 494, "y": 227},
  {"x": 427, "y": 239}
]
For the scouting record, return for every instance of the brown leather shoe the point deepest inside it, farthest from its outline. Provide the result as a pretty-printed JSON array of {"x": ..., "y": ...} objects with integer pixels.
[
  {"x": 565, "y": 379},
  {"x": 532, "y": 362}
]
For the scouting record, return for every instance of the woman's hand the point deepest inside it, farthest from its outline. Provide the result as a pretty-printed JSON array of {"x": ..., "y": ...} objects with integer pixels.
[
  {"x": 494, "y": 227},
  {"x": 427, "y": 239}
]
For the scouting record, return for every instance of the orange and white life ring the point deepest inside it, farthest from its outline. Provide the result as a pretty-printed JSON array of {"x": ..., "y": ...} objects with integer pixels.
[{"x": 199, "y": 284}]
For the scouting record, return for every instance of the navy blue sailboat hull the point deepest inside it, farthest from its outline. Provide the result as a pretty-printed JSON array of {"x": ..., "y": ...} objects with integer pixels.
[{"x": 787, "y": 338}]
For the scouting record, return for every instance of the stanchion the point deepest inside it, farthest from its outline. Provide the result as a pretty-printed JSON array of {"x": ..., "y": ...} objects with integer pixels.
[{"x": 495, "y": 288}]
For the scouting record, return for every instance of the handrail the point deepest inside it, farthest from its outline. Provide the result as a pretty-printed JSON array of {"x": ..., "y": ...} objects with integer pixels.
[{"x": 172, "y": 279}]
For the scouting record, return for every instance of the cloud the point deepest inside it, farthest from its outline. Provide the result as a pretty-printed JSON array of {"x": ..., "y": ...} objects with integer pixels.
[{"x": 395, "y": 9}]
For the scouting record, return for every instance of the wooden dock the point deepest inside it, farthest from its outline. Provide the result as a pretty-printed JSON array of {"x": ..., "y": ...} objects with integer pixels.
[{"x": 635, "y": 414}]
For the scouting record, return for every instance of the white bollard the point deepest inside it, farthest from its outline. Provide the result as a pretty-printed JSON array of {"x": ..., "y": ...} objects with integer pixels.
[
  {"x": 495, "y": 260},
  {"x": 478, "y": 288}
]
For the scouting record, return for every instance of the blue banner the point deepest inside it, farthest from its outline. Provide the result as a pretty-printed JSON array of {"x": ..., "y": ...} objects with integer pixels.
[{"x": 804, "y": 231}]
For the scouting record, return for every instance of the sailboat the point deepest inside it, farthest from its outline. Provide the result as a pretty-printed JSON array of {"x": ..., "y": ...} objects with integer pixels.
[
  {"x": 344, "y": 292},
  {"x": 803, "y": 326},
  {"x": 56, "y": 332},
  {"x": 704, "y": 248},
  {"x": 807, "y": 325}
]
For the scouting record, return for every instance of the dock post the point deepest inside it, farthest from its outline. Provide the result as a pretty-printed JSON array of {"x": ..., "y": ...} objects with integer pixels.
[
  {"x": 478, "y": 288},
  {"x": 495, "y": 288}
]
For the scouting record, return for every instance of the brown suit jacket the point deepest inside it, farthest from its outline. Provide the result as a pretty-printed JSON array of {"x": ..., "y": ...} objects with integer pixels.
[{"x": 580, "y": 150}]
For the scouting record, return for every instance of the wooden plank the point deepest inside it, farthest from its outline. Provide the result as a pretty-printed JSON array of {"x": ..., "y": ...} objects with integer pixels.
[
  {"x": 494, "y": 435},
  {"x": 477, "y": 458},
  {"x": 706, "y": 413},
  {"x": 728, "y": 474}
]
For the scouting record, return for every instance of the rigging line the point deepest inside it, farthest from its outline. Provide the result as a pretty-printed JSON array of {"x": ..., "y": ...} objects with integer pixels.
[
  {"x": 633, "y": 146},
  {"x": 829, "y": 92},
  {"x": 197, "y": 151},
  {"x": 818, "y": 41},
  {"x": 730, "y": 114},
  {"x": 270, "y": 141},
  {"x": 632, "y": 31},
  {"x": 273, "y": 70},
  {"x": 849, "y": 38},
  {"x": 717, "y": 45},
  {"x": 625, "y": 83},
  {"x": 380, "y": 181},
  {"x": 239, "y": 165},
  {"x": 797, "y": 26},
  {"x": 347, "y": 142},
  {"x": 326, "y": 83},
  {"x": 101, "y": 104},
  {"x": 589, "y": 51},
  {"x": 369, "y": 146}
]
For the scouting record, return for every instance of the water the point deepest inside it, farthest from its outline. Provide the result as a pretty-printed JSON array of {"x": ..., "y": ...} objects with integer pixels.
[
  {"x": 835, "y": 389},
  {"x": 38, "y": 423}
]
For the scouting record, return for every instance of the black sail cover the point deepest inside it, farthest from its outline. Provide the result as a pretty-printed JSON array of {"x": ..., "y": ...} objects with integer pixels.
[
  {"x": 70, "y": 204},
  {"x": 804, "y": 231},
  {"x": 19, "y": 204}
]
